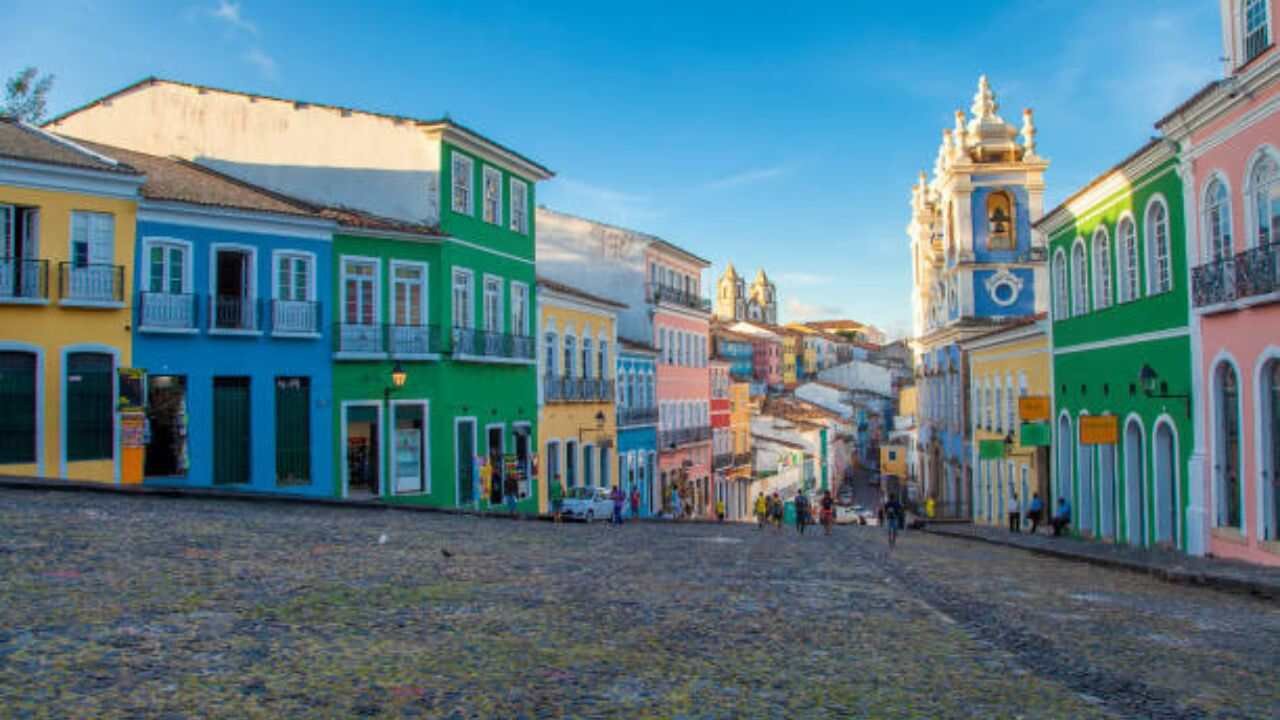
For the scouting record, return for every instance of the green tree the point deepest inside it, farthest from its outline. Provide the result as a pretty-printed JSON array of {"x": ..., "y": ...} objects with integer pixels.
[{"x": 26, "y": 95}]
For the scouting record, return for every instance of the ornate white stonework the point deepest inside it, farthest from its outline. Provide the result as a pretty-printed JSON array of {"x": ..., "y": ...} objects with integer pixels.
[{"x": 1004, "y": 287}]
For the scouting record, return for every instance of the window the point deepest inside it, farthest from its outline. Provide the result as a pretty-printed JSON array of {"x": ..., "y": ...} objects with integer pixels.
[
  {"x": 1256, "y": 33},
  {"x": 1159, "y": 273},
  {"x": 463, "y": 293},
  {"x": 462, "y": 183},
  {"x": 999, "y": 416},
  {"x": 1264, "y": 182},
  {"x": 588, "y": 466},
  {"x": 570, "y": 464},
  {"x": 18, "y": 398},
  {"x": 519, "y": 309},
  {"x": 1217, "y": 221},
  {"x": 549, "y": 357},
  {"x": 92, "y": 277},
  {"x": 604, "y": 467},
  {"x": 519, "y": 206},
  {"x": 553, "y": 461},
  {"x": 1000, "y": 235},
  {"x": 359, "y": 279},
  {"x": 602, "y": 358},
  {"x": 1127, "y": 259},
  {"x": 293, "y": 277},
  {"x": 1011, "y": 401},
  {"x": 492, "y": 195},
  {"x": 492, "y": 304},
  {"x": 168, "y": 265},
  {"x": 570, "y": 346},
  {"x": 1079, "y": 279},
  {"x": 234, "y": 287},
  {"x": 1227, "y": 453},
  {"x": 90, "y": 406},
  {"x": 1101, "y": 269},
  {"x": 408, "y": 283},
  {"x": 293, "y": 431},
  {"x": 1060, "y": 286},
  {"x": 586, "y": 353}
]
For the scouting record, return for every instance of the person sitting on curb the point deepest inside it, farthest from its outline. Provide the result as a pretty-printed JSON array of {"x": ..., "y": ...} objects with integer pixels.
[{"x": 1062, "y": 517}]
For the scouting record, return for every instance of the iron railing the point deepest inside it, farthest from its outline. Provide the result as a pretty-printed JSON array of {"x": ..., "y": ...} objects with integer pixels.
[
  {"x": 721, "y": 461},
  {"x": 576, "y": 389},
  {"x": 683, "y": 436},
  {"x": 90, "y": 282},
  {"x": 677, "y": 296},
  {"x": 480, "y": 343},
  {"x": 358, "y": 338},
  {"x": 23, "y": 278},
  {"x": 637, "y": 415},
  {"x": 396, "y": 340},
  {"x": 1255, "y": 271},
  {"x": 407, "y": 340},
  {"x": 233, "y": 312},
  {"x": 166, "y": 311},
  {"x": 300, "y": 317}
]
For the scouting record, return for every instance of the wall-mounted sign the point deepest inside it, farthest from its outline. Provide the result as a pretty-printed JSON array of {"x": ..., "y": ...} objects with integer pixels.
[
  {"x": 1034, "y": 435},
  {"x": 1033, "y": 408},
  {"x": 990, "y": 449},
  {"x": 1099, "y": 430}
]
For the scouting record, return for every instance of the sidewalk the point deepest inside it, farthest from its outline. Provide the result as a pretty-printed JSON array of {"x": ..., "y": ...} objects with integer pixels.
[{"x": 1228, "y": 575}]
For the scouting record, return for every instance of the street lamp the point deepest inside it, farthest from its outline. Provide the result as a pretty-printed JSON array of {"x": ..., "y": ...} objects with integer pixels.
[
  {"x": 1008, "y": 443},
  {"x": 398, "y": 378},
  {"x": 1147, "y": 378},
  {"x": 598, "y": 427}
]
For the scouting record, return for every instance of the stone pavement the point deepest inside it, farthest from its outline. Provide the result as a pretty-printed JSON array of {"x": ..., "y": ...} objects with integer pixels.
[
  {"x": 1170, "y": 565},
  {"x": 138, "y": 606}
]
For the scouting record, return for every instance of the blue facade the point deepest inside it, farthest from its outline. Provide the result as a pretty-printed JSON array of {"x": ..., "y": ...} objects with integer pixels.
[
  {"x": 243, "y": 306},
  {"x": 739, "y": 355},
  {"x": 1022, "y": 225},
  {"x": 638, "y": 428}
]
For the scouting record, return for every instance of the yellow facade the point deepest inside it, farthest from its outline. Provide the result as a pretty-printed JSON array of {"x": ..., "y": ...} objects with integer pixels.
[
  {"x": 1003, "y": 367},
  {"x": 792, "y": 348},
  {"x": 907, "y": 401},
  {"x": 893, "y": 460},
  {"x": 740, "y": 416},
  {"x": 52, "y": 328},
  {"x": 573, "y": 424}
]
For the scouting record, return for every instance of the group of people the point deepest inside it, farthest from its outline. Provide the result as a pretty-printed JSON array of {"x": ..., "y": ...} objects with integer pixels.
[
  {"x": 1059, "y": 520},
  {"x": 769, "y": 510}
]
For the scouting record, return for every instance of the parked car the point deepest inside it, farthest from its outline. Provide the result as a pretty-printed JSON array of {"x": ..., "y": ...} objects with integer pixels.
[
  {"x": 587, "y": 504},
  {"x": 854, "y": 515}
]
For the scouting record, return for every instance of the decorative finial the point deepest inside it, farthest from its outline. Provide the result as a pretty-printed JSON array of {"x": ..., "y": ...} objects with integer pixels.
[
  {"x": 961, "y": 141},
  {"x": 984, "y": 101},
  {"x": 1028, "y": 135}
]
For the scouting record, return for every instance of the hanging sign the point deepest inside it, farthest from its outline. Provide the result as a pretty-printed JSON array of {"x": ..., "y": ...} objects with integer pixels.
[
  {"x": 1099, "y": 430},
  {"x": 1033, "y": 408}
]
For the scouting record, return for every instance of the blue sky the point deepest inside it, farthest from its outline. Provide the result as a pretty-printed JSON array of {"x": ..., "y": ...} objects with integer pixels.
[{"x": 757, "y": 132}]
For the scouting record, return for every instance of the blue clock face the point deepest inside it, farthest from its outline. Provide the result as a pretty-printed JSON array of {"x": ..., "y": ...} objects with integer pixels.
[{"x": 1003, "y": 293}]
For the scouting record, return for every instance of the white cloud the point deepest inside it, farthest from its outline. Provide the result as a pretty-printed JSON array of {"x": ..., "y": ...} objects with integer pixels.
[
  {"x": 803, "y": 279},
  {"x": 610, "y": 205},
  {"x": 264, "y": 62},
  {"x": 229, "y": 12},
  {"x": 801, "y": 311},
  {"x": 745, "y": 177}
]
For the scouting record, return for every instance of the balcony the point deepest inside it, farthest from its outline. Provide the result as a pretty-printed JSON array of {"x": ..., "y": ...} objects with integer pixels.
[
  {"x": 683, "y": 436},
  {"x": 91, "y": 285},
  {"x": 414, "y": 341},
  {"x": 23, "y": 280},
  {"x": 480, "y": 344},
  {"x": 359, "y": 339},
  {"x": 233, "y": 314},
  {"x": 166, "y": 312},
  {"x": 637, "y": 415},
  {"x": 295, "y": 317},
  {"x": 676, "y": 296},
  {"x": 577, "y": 389},
  {"x": 742, "y": 460},
  {"x": 721, "y": 461},
  {"x": 1251, "y": 274},
  {"x": 374, "y": 341}
]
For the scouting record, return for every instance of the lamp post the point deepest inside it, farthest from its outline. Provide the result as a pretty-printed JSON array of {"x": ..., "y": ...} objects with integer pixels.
[
  {"x": 1147, "y": 378},
  {"x": 398, "y": 378},
  {"x": 598, "y": 427}
]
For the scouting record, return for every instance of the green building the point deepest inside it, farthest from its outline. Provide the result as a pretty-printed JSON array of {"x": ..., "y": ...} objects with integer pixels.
[{"x": 1122, "y": 352}]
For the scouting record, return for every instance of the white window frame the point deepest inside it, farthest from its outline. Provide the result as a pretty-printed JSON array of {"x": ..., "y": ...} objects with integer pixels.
[
  {"x": 308, "y": 257},
  {"x": 1079, "y": 278},
  {"x": 469, "y": 314},
  {"x": 519, "y": 223},
  {"x": 457, "y": 160},
  {"x": 1128, "y": 260},
  {"x": 1253, "y": 192},
  {"x": 1154, "y": 257},
  {"x": 487, "y": 173},
  {"x": 497, "y": 310},
  {"x": 1061, "y": 286},
  {"x": 1101, "y": 268},
  {"x": 251, "y": 295},
  {"x": 1209, "y": 207},
  {"x": 347, "y": 260},
  {"x": 94, "y": 219},
  {"x": 148, "y": 243},
  {"x": 1264, "y": 27},
  {"x": 424, "y": 301},
  {"x": 520, "y": 292},
  {"x": 390, "y": 428}
]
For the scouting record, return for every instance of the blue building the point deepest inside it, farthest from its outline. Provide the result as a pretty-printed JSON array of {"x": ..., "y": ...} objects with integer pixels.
[
  {"x": 977, "y": 266},
  {"x": 638, "y": 423},
  {"x": 230, "y": 332}
]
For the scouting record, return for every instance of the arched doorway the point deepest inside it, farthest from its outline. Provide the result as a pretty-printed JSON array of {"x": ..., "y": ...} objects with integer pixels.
[
  {"x": 1269, "y": 412},
  {"x": 1226, "y": 460},
  {"x": 1062, "y": 484},
  {"x": 1135, "y": 482},
  {"x": 1107, "y": 484},
  {"x": 1085, "y": 508},
  {"x": 1164, "y": 467}
]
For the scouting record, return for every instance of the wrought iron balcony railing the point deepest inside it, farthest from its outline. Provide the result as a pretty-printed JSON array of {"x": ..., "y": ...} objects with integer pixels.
[
  {"x": 359, "y": 338},
  {"x": 23, "y": 278},
  {"x": 295, "y": 317},
  {"x": 409, "y": 340},
  {"x": 557, "y": 388},
  {"x": 233, "y": 312},
  {"x": 683, "y": 436},
  {"x": 676, "y": 296},
  {"x": 397, "y": 340},
  {"x": 166, "y": 311},
  {"x": 721, "y": 461},
  {"x": 637, "y": 415},
  {"x": 480, "y": 343},
  {"x": 91, "y": 283},
  {"x": 1254, "y": 272}
]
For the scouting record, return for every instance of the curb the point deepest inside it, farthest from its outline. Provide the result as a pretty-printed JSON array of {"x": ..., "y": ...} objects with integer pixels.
[{"x": 1264, "y": 591}]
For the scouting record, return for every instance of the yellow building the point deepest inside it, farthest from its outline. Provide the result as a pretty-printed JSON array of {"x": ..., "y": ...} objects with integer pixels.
[
  {"x": 577, "y": 357},
  {"x": 792, "y": 354},
  {"x": 740, "y": 421},
  {"x": 67, "y": 219},
  {"x": 893, "y": 460},
  {"x": 907, "y": 401},
  {"x": 806, "y": 349},
  {"x": 1009, "y": 387}
]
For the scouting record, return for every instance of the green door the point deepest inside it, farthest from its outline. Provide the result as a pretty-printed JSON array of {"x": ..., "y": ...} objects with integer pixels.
[
  {"x": 18, "y": 398},
  {"x": 230, "y": 430},
  {"x": 293, "y": 431},
  {"x": 90, "y": 406}
]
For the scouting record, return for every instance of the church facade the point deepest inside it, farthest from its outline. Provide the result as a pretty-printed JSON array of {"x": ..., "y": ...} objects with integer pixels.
[{"x": 735, "y": 301}]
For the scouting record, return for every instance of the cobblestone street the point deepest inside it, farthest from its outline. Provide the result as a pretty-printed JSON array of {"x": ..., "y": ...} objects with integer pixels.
[{"x": 149, "y": 607}]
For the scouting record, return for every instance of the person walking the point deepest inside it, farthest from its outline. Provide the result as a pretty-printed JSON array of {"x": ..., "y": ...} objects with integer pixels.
[
  {"x": 556, "y": 495},
  {"x": 719, "y": 510},
  {"x": 619, "y": 498},
  {"x": 828, "y": 512},
  {"x": 1033, "y": 512},
  {"x": 635, "y": 502},
  {"x": 777, "y": 513},
  {"x": 511, "y": 492},
  {"x": 675, "y": 503},
  {"x": 1015, "y": 517},
  {"x": 893, "y": 518},
  {"x": 761, "y": 510},
  {"x": 802, "y": 510}
]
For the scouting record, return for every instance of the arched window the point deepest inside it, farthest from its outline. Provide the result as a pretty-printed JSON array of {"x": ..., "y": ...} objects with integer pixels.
[
  {"x": 1226, "y": 460},
  {"x": 1079, "y": 280},
  {"x": 1060, "y": 286},
  {"x": 549, "y": 356},
  {"x": 1126, "y": 260},
  {"x": 1011, "y": 403},
  {"x": 1000, "y": 221},
  {"x": 1101, "y": 269},
  {"x": 1264, "y": 186},
  {"x": 1217, "y": 221},
  {"x": 570, "y": 347},
  {"x": 1159, "y": 272},
  {"x": 587, "y": 363}
]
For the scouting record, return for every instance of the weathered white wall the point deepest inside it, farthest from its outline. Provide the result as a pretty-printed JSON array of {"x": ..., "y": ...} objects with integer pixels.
[
  {"x": 825, "y": 397},
  {"x": 860, "y": 375}
]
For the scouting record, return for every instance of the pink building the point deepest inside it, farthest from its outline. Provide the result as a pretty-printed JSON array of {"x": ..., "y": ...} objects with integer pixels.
[
  {"x": 1229, "y": 138},
  {"x": 766, "y": 353},
  {"x": 681, "y": 332}
]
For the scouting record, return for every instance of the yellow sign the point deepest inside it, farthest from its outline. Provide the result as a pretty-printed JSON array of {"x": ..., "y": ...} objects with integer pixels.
[
  {"x": 1099, "y": 430},
  {"x": 1033, "y": 408}
]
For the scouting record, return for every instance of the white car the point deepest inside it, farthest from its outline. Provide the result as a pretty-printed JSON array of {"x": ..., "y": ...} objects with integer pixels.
[
  {"x": 587, "y": 503},
  {"x": 854, "y": 515}
]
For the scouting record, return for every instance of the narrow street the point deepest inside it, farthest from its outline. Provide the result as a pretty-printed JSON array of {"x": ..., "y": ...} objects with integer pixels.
[{"x": 122, "y": 607}]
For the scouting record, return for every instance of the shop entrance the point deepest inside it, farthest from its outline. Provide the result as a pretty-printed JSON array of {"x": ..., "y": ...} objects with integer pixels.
[
  {"x": 362, "y": 450},
  {"x": 167, "y": 416}
]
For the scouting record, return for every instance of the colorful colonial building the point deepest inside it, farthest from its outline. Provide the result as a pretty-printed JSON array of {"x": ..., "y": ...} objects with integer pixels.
[
  {"x": 1122, "y": 391},
  {"x": 67, "y": 237},
  {"x": 975, "y": 265},
  {"x": 1230, "y": 167},
  {"x": 638, "y": 423}
]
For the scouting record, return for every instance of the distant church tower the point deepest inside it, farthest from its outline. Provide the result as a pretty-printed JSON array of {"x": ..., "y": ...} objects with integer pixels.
[{"x": 734, "y": 302}]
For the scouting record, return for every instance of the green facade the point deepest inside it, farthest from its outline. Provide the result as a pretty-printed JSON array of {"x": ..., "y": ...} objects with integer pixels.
[
  {"x": 1098, "y": 357},
  {"x": 495, "y": 392}
]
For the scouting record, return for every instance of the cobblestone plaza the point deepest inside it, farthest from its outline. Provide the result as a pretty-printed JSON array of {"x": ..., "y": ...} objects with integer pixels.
[{"x": 156, "y": 607}]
